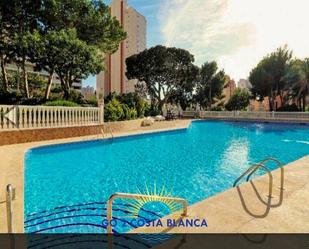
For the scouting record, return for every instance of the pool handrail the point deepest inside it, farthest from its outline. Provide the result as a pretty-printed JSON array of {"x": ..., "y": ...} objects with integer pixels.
[
  {"x": 109, "y": 215},
  {"x": 10, "y": 196},
  {"x": 265, "y": 161},
  {"x": 253, "y": 169}
]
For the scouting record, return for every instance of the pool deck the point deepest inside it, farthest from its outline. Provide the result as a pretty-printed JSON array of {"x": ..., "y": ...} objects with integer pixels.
[
  {"x": 236, "y": 210},
  {"x": 247, "y": 208},
  {"x": 12, "y": 165}
]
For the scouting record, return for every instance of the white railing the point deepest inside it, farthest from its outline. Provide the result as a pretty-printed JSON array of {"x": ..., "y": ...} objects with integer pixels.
[
  {"x": 297, "y": 116},
  {"x": 31, "y": 117}
]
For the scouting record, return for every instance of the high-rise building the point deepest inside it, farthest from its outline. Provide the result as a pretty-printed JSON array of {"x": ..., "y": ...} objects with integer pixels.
[
  {"x": 244, "y": 84},
  {"x": 113, "y": 79}
]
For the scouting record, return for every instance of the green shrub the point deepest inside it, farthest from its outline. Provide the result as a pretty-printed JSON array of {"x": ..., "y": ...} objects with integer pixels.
[
  {"x": 92, "y": 101},
  {"x": 10, "y": 97},
  {"x": 61, "y": 103},
  {"x": 288, "y": 108},
  {"x": 113, "y": 111},
  {"x": 36, "y": 100},
  {"x": 132, "y": 100},
  {"x": 152, "y": 110},
  {"x": 239, "y": 100},
  {"x": 129, "y": 113}
]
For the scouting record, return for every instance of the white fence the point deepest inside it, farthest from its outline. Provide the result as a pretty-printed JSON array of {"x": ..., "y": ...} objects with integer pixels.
[
  {"x": 30, "y": 117},
  {"x": 291, "y": 116}
]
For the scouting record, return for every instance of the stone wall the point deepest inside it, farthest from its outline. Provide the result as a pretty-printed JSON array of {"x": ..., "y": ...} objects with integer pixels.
[{"x": 41, "y": 134}]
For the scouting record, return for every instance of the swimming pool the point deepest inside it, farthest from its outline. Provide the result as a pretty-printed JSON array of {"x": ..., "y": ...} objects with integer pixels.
[{"x": 66, "y": 186}]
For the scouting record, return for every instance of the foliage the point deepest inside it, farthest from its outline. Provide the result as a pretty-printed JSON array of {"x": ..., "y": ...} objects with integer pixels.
[
  {"x": 128, "y": 113},
  {"x": 211, "y": 84},
  {"x": 92, "y": 101},
  {"x": 297, "y": 78},
  {"x": 69, "y": 37},
  {"x": 61, "y": 103},
  {"x": 129, "y": 102},
  {"x": 113, "y": 111},
  {"x": 152, "y": 110},
  {"x": 91, "y": 19},
  {"x": 166, "y": 72},
  {"x": 239, "y": 100},
  {"x": 9, "y": 97},
  {"x": 134, "y": 101},
  {"x": 288, "y": 108},
  {"x": 74, "y": 59},
  {"x": 267, "y": 78}
]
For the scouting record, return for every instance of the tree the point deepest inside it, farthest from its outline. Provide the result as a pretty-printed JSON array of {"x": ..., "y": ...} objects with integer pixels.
[
  {"x": 74, "y": 60},
  {"x": 211, "y": 84},
  {"x": 45, "y": 54},
  {"x": 163, "y": 70},
  {"x": 267, "y": 78},
  {"x": 183, "y": 93},
  {"x": 297, "y": 78},
  {"x": 4, "y": 48},
  {"x": 22, "y": 19},
  {"x": 239, "y": 100},
  {"x": 28, "y": 29},
  {"x": 91, "y": 20},
  {"x": 93, "y": 24}
]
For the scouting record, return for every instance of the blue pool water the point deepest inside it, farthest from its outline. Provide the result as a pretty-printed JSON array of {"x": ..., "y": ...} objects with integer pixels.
[{"x": 66, "y": 186}]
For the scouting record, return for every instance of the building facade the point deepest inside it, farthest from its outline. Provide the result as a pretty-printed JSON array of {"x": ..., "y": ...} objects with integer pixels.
[
  {"x": 244, "y": 84},
  {"x": 113, "y": 79},
  {"x": 88, "y": 92},
  {"x": 12, "y": 67},
  {"x": 229, "y": 89}
]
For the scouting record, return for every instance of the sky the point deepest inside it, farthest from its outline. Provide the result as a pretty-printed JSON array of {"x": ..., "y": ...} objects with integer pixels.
[{"x": 235, "y": 33}]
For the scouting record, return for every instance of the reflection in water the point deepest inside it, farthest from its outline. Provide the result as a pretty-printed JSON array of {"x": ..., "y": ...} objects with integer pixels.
[{"x": 237, "y": 153}]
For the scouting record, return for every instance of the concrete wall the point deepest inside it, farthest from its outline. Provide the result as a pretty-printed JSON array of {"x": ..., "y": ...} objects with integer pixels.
[{"x": 42, "y": 134}]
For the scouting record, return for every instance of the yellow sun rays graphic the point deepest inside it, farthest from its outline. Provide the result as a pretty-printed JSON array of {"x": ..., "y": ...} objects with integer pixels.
[{"x": 153, "y": 194}]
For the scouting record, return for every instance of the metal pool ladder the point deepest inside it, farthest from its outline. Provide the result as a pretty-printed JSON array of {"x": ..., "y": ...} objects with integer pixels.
[
  {"x": 182, "y": 201},
  {"x": 249, "y": 172},
  {"x": 110, "y": 131}
]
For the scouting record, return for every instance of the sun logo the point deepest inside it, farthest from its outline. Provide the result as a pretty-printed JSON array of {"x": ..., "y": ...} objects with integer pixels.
[{"x": 154, "y": 205}]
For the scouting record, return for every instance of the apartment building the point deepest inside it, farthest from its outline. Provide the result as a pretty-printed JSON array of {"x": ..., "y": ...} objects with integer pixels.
[
  {"x": 77, "y": 85},
  {"x": 113, "y": 79}
]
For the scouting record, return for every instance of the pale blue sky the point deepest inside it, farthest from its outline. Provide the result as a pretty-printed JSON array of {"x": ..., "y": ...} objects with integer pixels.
[{"x": 235, "y": 33}]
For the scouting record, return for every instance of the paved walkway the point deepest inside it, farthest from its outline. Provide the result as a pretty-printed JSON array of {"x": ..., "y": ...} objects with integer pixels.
[{"x": 247, "y": 208}]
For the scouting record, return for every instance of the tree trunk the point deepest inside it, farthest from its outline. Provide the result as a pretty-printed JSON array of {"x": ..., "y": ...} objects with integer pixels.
[
  {"x": 49, "y": 85},
  {"x": 25, "y": 78},
  {"x": 304, "y": 103},
  {"x": 161, "y": 104},
  {"x": 210, "y": 97},
  {"x": 18, "y": 78},
  {"x": 65, "y": 88},
  {"x": 4, "y": 75}
]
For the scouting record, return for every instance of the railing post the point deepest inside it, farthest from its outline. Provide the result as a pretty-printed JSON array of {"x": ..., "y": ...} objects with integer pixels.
[
  {"x": 101, "y": 112},
  {"x": 9, "y": 198}
]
